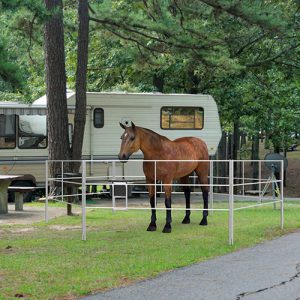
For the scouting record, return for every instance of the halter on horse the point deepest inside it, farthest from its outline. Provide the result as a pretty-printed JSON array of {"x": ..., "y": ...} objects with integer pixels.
[{"x": 158, "y": 147}]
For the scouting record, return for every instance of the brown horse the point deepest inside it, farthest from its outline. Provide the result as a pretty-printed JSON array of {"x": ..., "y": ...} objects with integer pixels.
[{"x": 157, "y": 147}]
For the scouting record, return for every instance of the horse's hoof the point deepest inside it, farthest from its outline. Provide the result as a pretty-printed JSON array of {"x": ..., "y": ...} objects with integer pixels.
[
  {"x": 186, "y": 221},
  {"x": 203, "y": 222},
  {"x": 167, "y": 229},
  {"x": 151, "y": 227}
]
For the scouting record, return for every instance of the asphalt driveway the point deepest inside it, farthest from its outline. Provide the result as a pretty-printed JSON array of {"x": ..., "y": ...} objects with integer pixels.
[{"x": 267, "y": 271}]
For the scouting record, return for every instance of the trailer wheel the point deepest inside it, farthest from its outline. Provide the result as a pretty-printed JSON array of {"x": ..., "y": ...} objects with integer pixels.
[{"x": 23, "y": 183}]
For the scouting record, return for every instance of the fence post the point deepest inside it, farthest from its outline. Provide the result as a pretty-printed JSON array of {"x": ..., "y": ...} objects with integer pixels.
[
  {"x": 155, "y": 200},
  {"x": 243, "y": 180},
  {"x": 274, "y": 184},
  {"x": 62, "y": 182},
  {"x": 259, "y": 178},
  {"x": 211, "y": 186},
  {"x": 231, "y": 198},
  {"x": 281, "y": 195},
  {"x": 113, "y": 186},
  {"x": 46, "y": 192},
  {"x": 83, "y": 200}
]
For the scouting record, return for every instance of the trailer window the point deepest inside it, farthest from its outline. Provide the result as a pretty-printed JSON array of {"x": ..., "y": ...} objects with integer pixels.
[
  {"x": 7, "y": 131},
  {"x": 182, "y": 117},
  {"x": 32, "y": 132},
  {"x": 98, "y": 117}
]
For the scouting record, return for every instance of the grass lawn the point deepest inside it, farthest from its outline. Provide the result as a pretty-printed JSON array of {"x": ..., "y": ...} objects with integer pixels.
[{"x": 49, "y": 261}]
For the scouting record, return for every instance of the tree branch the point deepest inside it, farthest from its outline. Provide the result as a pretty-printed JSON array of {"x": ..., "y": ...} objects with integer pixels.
[
  {"x": 236, "y": 11},
  {"x": 270, "y": 59},
  {"x": 250, "y": 43},
  {"x": 91, "y": 9},
  {"x": 132, "y": 28},
  {"x": 297, "y": 66},
  {"x": 30, "y": 38},
  {"x": 151, "y": 49}
]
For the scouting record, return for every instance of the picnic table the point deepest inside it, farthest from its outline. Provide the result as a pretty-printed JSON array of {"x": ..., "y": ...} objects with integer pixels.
[{"x": 5, "y": 181}]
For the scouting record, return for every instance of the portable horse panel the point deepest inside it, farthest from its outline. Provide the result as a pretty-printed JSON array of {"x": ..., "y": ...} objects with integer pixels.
[{"x": 230, "y": 201}]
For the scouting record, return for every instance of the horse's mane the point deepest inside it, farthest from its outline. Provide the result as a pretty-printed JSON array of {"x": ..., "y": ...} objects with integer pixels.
[
  {"x": 155, "y": 134},
  {"x": 155, "y": 139}
]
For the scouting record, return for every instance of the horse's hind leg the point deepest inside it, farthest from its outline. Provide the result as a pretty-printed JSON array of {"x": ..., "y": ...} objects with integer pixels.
[
  {"x": 205, "y": 206},
  {"x": 151, "y": 189},
  {"x": 202, "y": 172},
  {"x": 187, "y": 194}
]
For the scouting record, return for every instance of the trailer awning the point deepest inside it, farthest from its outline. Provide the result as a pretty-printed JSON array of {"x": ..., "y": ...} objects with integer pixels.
[
  {"x": 16, "y": 108},
  {"x": 23, "y": 111},
  {"x": 42, "y": 111}
]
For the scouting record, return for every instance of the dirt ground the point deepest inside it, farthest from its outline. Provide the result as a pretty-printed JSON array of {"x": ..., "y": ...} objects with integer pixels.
[
  {"x": 29, "y": 215},
  {"x": 33, "y": 214}
]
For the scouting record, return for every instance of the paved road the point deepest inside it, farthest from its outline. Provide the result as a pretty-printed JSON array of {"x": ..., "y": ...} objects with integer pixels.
[{"x": 264, "y": 272}]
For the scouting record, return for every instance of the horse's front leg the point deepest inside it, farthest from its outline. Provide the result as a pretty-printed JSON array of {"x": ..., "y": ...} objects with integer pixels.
[
  {"x": 202, "y": 172},
  {"x": 168, "y": 191},
  {"x": 151, "y": 189}
]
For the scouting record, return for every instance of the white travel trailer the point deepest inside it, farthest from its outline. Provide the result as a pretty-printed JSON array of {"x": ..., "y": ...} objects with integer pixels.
[{"x": 23, "y": 130}]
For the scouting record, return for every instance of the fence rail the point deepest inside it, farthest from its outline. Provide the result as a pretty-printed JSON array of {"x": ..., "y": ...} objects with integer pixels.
[{"x": 128, "y": 181}]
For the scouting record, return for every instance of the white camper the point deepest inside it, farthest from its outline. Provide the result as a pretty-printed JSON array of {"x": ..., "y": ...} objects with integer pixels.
[{"x": 23, "y": 130}]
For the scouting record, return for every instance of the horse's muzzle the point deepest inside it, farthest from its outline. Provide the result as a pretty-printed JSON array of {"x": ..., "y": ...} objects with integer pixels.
[{"x": 123, "y": 157}]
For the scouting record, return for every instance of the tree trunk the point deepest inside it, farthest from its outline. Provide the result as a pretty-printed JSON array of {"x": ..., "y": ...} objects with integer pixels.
[
  {"x": 235, "y": 150},
  {"x": 57, "y": 117},
  {"x": 229, "y": 147},
  {"x": 158, "y": 82},
  {"x": 222, "y": 166},
  {"x": 236, "y": 139},
  {"x": 255, "y": 156},
  {"x": 277, "y": 149},
  {"x": 243, "y": 139},
  {"x": 81, "y": 89},
  {"x": 81, "y": 81},
  {"x": 192, "y": 81}
]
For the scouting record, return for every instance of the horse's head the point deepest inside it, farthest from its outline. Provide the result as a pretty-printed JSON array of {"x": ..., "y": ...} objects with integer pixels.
[{"x": 130, "y": 142}]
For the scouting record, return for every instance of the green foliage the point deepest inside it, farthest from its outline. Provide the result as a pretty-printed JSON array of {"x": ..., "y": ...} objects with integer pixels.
[
  {"x": 206, "y": 31},
  {"x": 267, "y": 101},
  {"x": 275, "y": 108},
  {"x": 21, "y": 48},
  {"x": 10, "y": 77},
  {"x": 246, "y": 54}
]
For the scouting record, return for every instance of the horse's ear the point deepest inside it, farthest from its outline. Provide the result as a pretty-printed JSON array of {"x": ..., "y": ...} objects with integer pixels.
[
  {"x": 122, "y": 125},
  {"x": 132, "y": 125}
]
